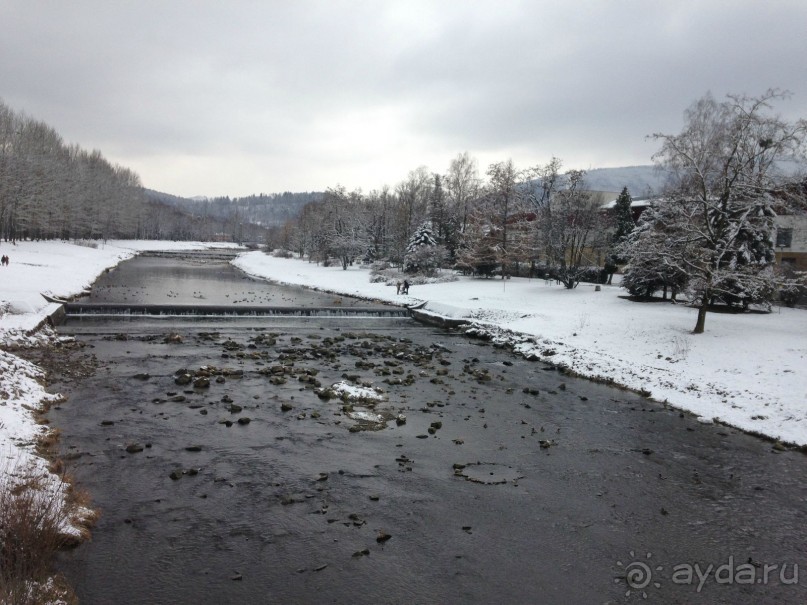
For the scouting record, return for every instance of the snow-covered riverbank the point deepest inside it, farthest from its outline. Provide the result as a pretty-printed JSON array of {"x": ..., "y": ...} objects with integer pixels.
[
  {"x": 61, "y": 269},
  {"x": 747, "y": 370}
]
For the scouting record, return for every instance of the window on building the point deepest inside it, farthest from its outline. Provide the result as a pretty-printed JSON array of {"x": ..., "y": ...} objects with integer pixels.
[{"x": 784, "y": 238}]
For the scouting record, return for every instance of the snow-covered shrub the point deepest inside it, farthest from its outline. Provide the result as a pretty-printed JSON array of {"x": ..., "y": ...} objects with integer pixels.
[
  {"x": 31, "y": 520},
  {"x": 281, "y": 253},
  {"x": 392, "y": 276},
  {"x": 423, "y": 254},
  {"x": 87, "y": 243},
  {"x": 380, "y": 265}
]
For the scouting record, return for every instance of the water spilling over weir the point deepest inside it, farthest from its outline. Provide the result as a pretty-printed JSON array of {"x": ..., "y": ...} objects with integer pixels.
[{"x": 98, "y": 310}]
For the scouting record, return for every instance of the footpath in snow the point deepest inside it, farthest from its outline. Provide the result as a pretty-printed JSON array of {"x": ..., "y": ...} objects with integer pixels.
[
  {"x": 63, "y": 270},
  {"x": 748, "y": 370}
]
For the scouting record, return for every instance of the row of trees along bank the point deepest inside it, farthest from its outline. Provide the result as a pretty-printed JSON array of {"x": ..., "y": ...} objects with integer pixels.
[
  {"x": 50, "y": 189},
  {"x": 709, "y": 234}
]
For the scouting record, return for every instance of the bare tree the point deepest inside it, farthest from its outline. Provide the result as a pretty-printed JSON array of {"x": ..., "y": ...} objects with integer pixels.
[
  {"x": 571, "y": 224},
  {"x": 725, "y": 191},
  {"x": 462, "y": 183}
]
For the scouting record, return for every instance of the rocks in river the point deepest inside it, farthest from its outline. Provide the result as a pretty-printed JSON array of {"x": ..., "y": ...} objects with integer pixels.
[
  {"x": 231, "y": 345},
  {"x": 193, "y": 448},
  {"x": 234, "y": 408},
  {"x": 382, "y": 537},
  {"x": 286, "y": 407},
  {"x": 134, "y": 448},
  {"x": 178, "y": 473},
  {"x": 173, "y": 338},
  {"x": 203, "y": 382},
  {"x": 244, "y": 420},
  {"x": 183, "y": 379},
  {"x": 107, "y": 422},
  {"x": 142, "y": 376}
]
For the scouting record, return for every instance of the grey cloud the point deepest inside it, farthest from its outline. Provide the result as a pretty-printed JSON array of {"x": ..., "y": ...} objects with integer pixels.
[{"x": 275, "y": 80}]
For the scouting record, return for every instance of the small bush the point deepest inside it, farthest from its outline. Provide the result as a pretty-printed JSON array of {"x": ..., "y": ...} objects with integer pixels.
[
  {"x": 34, "y": 512},
  {"x": 87, "y": 243},
  {"x": 392, "y": 276},
  {"x": 30, "y": 520},
  {"x": 281, "y": 253}
]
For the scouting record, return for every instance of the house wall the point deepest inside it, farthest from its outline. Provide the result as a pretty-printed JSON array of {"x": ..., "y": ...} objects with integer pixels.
[{"x": 794, "y": 255}]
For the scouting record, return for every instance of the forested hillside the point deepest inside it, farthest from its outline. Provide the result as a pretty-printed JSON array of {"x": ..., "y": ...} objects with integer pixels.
[
  {"x": 51, "y": 189},
  {"x": 266, "y": 210}
]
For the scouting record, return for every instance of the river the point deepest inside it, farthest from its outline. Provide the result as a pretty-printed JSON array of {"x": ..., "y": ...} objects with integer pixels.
[{"x": 477, "y": 477}]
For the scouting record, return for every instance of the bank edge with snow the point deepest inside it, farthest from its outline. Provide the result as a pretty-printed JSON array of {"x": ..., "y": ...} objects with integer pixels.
[{"x": 765, "y": 396}]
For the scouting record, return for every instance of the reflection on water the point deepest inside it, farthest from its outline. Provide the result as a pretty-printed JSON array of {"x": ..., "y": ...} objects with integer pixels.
[{"x": 213, "y": 281}]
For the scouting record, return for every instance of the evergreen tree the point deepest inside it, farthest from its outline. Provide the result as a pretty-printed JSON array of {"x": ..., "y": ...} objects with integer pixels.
[
  {"x": 423, "y": 254},
  {"x": 656, "y": 252},
  {"x": 623, "y": 217}
]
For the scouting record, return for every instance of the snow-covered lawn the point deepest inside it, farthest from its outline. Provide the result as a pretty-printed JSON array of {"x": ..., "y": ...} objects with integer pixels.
[
  {"x": 747, "y": 370},
  {"x": 61, "y": 269}
]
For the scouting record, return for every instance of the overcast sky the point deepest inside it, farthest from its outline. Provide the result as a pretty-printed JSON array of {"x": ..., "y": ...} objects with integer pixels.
[{"x": 232, "y": 98}]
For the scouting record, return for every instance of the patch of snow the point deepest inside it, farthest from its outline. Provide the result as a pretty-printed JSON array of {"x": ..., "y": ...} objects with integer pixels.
[{"x": 357, "y": 392}]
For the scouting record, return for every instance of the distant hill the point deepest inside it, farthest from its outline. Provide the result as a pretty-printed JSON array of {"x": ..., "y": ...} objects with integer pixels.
[
  {"x": 645, "y": 181},
  {"x": 266, "y": 210},
  {"x": 641, "y": 181}
]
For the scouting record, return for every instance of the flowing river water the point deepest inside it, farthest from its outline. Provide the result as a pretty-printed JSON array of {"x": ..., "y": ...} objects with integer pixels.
[{"x": 477, "y": 477}]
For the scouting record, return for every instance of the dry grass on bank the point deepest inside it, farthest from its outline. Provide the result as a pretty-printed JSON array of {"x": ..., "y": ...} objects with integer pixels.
[{"x": 36, "y": 516}]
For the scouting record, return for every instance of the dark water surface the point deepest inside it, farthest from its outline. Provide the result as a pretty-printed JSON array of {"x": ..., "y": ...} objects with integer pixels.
[{"x": 549, "y": 496}]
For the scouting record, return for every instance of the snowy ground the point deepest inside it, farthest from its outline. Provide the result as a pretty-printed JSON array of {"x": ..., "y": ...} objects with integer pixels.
[
  {"x": 747, "y": 370},
  {"x": 61, "y": 269}
]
